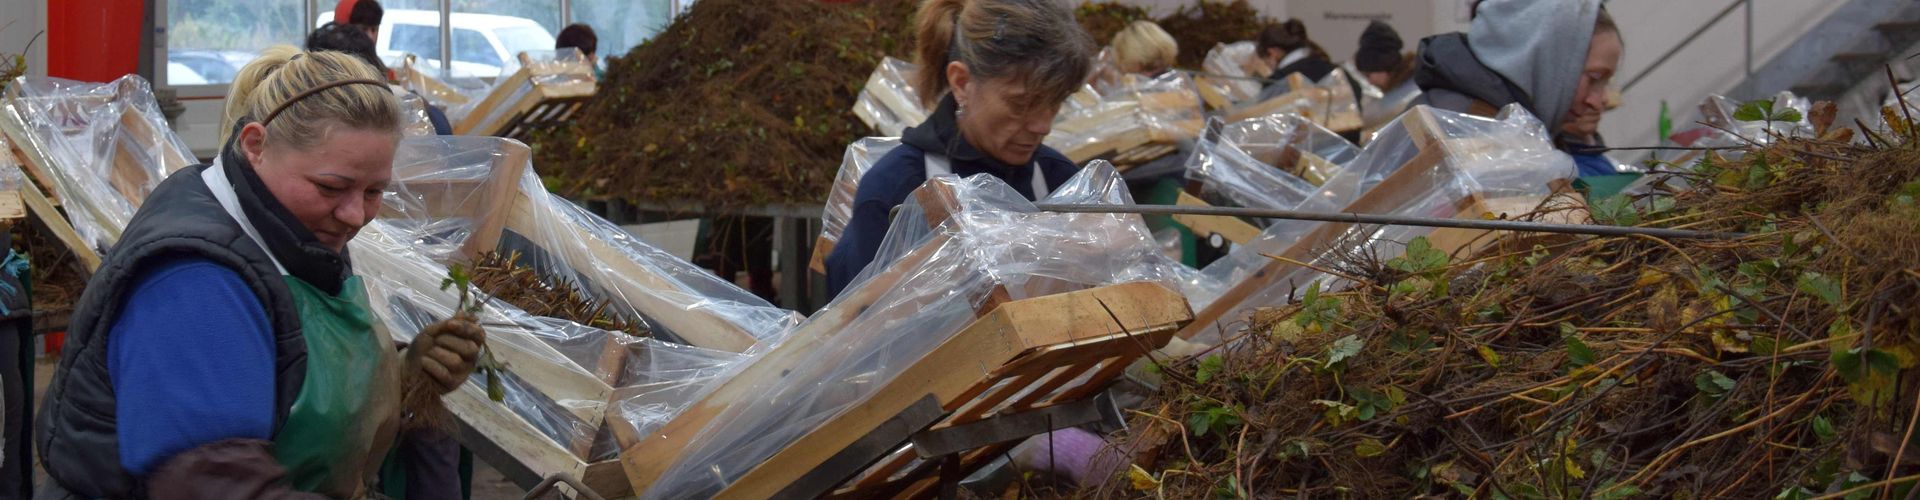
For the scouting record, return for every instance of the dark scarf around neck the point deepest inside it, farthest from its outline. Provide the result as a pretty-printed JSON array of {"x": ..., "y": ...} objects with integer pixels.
[{"x": 285, "y": 236}]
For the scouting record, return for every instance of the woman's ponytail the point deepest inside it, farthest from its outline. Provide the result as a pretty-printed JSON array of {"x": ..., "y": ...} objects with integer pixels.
[{"x": 935, "y": 38}]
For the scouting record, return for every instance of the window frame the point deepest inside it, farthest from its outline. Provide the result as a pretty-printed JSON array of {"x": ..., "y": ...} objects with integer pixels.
[{"x": 310, "y": 17}]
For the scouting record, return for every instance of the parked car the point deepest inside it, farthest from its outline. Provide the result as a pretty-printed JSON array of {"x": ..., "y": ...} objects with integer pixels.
[
  {"x": 483, "y": 44},
  {"x": 181, "y": 74},
  {"x": 211, "y": 66}
]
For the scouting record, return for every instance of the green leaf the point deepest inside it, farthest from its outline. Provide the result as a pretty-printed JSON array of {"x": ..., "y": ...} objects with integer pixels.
[
  {"x": 1345, "y": 348},
  {"x": 1616, "y": 210},
  {"x": 1823, "y": 428},
  {"x": 1713, "y": 383},
  {"x": 1613, "y": 491},
  {"x": 1199, "y": 423},
  {"x": 1208, "y": 367},
  {"x": 1789, "y": 115},
  {"x": 1794, "y": 493},
  {"x": 1854, "y": 480},
  {"x": 1369, "y": 447},
  {"x": 1819, "y": 286},
  {"x": 1578, "y": 353},
  {"x": 1754, "y": 111}
]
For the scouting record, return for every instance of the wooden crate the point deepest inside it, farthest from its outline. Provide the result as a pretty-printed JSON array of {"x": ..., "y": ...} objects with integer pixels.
[
  {"x": 522, "y": 101},
  {"x": 1002, "y": 330},
  {"x": 498, "y": 204},
  {"x": 1412, "y": 181},
  {"x": 1038, "y": 347},
  {"x": 135, "y": 143}
]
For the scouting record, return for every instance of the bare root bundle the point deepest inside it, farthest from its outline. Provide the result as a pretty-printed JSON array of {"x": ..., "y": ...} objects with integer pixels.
[{"x": 502, "y": 277}]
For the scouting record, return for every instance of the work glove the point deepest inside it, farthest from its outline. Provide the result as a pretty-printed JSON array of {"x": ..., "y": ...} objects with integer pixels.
[{"x": 445, "y": 352}]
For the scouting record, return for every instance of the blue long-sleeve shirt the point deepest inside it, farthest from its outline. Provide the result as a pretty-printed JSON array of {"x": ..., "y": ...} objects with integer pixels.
[{"x": 191, "y": 357}]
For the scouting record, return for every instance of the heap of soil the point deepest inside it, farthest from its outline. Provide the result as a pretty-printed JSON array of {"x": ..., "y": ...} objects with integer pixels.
[
  {"x": 742, "y": 102},
  {"x": 738, "y": 102}
]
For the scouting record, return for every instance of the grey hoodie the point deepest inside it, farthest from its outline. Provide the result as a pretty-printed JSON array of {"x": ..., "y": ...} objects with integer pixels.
[{"x": 1539, "y": 46}]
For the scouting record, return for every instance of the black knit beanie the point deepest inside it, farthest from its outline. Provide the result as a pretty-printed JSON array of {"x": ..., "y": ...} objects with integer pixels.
[{"x": 1379, "y": 49}]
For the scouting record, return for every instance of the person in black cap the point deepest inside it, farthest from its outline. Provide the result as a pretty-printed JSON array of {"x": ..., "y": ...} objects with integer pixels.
[
  {"x": 1380, "y": 61},
  {"x": 1379, "y": 58}
]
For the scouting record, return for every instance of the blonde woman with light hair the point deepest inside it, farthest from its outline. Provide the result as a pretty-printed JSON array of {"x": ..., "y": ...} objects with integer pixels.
[
  {"x": 1143, "y": 48},
  {"x": 225, "y": 348}
]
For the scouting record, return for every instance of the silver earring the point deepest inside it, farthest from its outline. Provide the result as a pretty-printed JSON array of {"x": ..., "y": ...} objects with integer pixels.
[{"x": 960, "y": 112}]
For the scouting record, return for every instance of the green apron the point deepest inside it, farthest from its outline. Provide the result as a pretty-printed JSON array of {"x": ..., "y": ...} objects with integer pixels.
[
  {"x": 340, "y": 424},
  {"x": 348, "y": 409}
]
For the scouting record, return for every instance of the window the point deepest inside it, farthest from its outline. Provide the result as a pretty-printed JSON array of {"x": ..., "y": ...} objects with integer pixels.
[
  {"x": 473, "y": 55},
  {"x": 420, "y": 40},
  {"x": 623, "y": 24},
  {"x": 212, "y": 39}
]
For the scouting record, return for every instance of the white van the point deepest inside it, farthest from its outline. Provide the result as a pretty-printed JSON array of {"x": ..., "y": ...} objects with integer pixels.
[{"x": 483, "y": 44}]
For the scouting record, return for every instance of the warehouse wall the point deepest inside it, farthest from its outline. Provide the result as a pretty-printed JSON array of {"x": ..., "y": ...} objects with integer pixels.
[
  {"x": 20, "y": 20},
  {"x": 1714, "y": 63}
]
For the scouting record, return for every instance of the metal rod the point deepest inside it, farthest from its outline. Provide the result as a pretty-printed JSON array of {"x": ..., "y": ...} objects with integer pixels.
[
  {"x": 1393, "y": 220},
  {"x": 1683, "y": 44}
]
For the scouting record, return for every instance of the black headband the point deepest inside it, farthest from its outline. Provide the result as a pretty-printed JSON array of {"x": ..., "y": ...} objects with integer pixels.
[{"x": 310, "y": 92}]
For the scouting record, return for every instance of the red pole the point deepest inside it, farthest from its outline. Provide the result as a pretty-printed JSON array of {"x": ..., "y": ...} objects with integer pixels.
[{"x": 95, "y": 41}]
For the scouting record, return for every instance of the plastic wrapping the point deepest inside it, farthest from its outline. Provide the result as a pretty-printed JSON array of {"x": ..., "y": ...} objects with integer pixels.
[
  {"x": 938, "y": 281},
  {"x": 447, "y": 93},
  {"x": 889, "y": 103},
  {"x": 104, "y": 147},
  {"x": 11, "y": 177},
  {"x": 1136, "y": 112},
  {"x": 556, "y": 72},
  {"x": 1391, "y": 103},
  {"x": 444, "y": 195},
  {"x": 1237, "y": 62},
  {"x": 555, "y": 381},
  {"x": 1718, "y": 111},
  {"x": 414, "y": 121},
  {"x": 860, "y": 157},
  {"x": 1330, "y": 102},
  {"x": 1268, "y": 162},
  {"x": 1507, "y": 157}
]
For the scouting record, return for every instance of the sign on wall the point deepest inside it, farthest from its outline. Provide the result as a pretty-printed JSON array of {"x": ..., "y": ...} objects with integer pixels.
[{"x": 1336, "y": 24}]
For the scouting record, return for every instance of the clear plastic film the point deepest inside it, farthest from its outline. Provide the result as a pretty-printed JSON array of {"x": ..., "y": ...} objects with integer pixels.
[
  {"x": 1274, "y": 161},
  {"x": 1391, "y": 103},
  {"x": 11, "y": 177},
  {"x": 448, "y": 94},
  {"x": 414, "y": 121},
  {"x": 889, "y": 103},
  {"x": 454, "y": 194},
  {"x": 555, "y": 380},
  {"x": 860, "y": 157},
  {"x": 1238, "y": 63},
  {"x": 1135, "y": 112},
  {"x": 936, "y": 284},
  {"x": 1719, "y": 112},
  {"x": 1510, "y": 157},
  {"x": 554, "y": 72},
  {"x": 103, "y": 147}
]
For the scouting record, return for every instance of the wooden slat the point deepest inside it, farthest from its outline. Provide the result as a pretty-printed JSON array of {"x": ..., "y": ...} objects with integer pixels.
[
  {"x": 954, "y": 366},
  {"x": 1231, "y": 228}
]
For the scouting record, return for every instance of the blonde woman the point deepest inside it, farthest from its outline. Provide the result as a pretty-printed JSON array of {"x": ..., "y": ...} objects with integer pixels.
[
  {"x": 225, "y": 348},
  {"x": 1143, "y": 48}
]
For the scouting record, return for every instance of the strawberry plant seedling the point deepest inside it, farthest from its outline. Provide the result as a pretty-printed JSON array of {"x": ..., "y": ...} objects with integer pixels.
[{"x": 470, "y": 302}]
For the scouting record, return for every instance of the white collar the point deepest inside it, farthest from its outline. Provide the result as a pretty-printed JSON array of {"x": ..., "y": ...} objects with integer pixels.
[{"x": 1293, "y": 57}]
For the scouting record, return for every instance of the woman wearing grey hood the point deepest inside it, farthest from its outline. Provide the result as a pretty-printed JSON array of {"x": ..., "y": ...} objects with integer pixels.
[{"x": 1554, "y": 57}]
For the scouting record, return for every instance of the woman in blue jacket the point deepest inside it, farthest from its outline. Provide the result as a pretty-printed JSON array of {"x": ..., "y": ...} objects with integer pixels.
[{"x": 999, "y": 71}]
